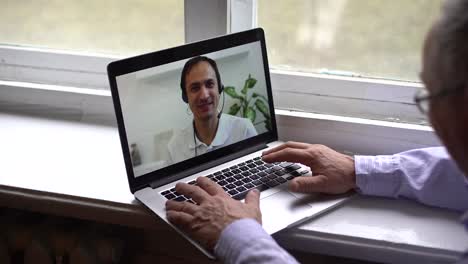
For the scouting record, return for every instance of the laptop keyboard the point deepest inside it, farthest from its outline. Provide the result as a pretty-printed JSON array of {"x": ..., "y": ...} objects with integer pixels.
[{"x": 239, "y": 179}]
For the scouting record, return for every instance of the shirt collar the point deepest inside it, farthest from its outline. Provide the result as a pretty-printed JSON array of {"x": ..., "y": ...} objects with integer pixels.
[
  {"x": 220, "y": 138},
  {"x": 197, "y": 143},
  {"x": 221, "y": 134}
]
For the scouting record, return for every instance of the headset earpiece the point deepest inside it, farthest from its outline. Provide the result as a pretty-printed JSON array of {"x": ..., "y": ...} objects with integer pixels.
[{"x": 221, "y": 89}]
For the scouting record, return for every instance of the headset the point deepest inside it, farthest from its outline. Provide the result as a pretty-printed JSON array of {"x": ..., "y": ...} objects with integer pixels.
[{"x": 187, "y": 67}]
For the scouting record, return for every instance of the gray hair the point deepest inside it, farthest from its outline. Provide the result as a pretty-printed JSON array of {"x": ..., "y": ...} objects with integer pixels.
[{"x": 451, "y": 34}]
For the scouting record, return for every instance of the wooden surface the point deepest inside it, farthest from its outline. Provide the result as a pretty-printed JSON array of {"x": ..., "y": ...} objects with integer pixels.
[
  {"x": 27, "y": 237},
  {"x": 33, "y": 238}
]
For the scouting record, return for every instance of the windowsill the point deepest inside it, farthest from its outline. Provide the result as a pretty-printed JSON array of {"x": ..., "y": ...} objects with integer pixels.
[
  {"x": 58, "y": 102},
  {"x": 353, "y": 135},
  {"x": 349, "y": 134},
  {"x": 353, "y": 120}
]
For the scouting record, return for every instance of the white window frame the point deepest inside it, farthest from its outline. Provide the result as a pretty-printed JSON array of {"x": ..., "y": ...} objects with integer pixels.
[{"x": 56, "y": 81}]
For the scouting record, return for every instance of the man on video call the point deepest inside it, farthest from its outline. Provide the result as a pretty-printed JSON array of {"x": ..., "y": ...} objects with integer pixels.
[
  {"x": 201, "y": 89},
  {"x": 434, "y": 176}
]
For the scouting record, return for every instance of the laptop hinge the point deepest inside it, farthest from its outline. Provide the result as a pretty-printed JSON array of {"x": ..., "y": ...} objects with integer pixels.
[{"x": 207, "y": 165}]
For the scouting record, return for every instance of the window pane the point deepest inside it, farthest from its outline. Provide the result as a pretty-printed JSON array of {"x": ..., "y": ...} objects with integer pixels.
[
  {"x": 371, "y": 38},
  {"x": 99, "y": 26}
]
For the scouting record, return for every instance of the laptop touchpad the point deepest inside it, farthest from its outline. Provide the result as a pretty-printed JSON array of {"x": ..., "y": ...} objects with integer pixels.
[{"x": 282, "y": 209}]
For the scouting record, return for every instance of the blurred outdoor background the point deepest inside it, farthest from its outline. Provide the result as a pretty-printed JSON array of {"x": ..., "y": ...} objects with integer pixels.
[{"x": 371, "y": 38}]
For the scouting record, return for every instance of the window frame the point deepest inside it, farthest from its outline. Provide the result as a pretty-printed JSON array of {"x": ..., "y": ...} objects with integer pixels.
[{"x": 57, "y": 77}]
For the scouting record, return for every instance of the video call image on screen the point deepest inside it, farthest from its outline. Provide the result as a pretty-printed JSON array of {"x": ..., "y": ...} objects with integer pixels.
[{"x": 169, "y": 118}]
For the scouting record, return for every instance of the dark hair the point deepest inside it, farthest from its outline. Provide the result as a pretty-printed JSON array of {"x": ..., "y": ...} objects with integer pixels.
[
  {"x": 189, "y": 65},
  {"x": 451, "y": 36}
]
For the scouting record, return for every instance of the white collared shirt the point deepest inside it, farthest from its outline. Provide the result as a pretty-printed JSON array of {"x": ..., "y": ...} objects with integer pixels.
[{"x": 231, "y": 129}]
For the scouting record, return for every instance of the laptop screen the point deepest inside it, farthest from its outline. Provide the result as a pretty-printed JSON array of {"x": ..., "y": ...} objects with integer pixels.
[
  {"x": 187, "y": 108},
  {"x": 191, "y": 108}
]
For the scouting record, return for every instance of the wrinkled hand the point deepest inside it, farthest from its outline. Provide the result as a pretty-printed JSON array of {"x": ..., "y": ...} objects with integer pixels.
[
  {"x": 333, "y": 172},
  {"x": 214, "y": 210}
]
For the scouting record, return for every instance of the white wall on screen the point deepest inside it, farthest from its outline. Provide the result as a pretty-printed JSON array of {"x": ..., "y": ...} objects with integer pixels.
[{"x": 153, "y": 107}]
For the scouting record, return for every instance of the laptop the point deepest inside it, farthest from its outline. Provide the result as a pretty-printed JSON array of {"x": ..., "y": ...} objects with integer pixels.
[{"x": 160, "y": 121}]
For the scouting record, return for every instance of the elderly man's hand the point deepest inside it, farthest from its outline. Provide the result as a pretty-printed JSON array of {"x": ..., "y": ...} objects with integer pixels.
[
  {"x": 215, "y": 210},
  {"x": 333, "y": 172}
]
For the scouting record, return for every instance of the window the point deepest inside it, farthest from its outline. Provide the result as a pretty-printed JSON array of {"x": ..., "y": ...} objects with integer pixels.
[
  {"x": 55, "y": 63},
  {"x": 350, "y": 58},
  {"x": 299, "y": 52},
  {"x": 368, "y": 38},
  {"x": 116, "y": 27},
  {"x": 70, "y": 43}
]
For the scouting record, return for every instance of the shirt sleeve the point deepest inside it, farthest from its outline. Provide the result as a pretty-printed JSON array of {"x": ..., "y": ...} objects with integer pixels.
[
  {"x": 245, "y": 241},
  {"x": 427, "y": 175}
]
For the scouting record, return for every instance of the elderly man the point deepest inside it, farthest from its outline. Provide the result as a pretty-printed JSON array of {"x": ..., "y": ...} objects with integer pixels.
[{"x": 233, "y": 229}]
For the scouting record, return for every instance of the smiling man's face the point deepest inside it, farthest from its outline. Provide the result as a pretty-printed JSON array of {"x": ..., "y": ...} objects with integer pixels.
[{"x": 201, "y": 86}]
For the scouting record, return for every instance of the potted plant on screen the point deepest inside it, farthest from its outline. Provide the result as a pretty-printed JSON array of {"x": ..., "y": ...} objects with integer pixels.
[{"x": 248, "y": 103}]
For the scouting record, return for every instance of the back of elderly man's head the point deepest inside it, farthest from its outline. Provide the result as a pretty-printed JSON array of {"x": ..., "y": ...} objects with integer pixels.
[
  {"x": 446, "y": 68},
  {"x": 450, "y": 34}
]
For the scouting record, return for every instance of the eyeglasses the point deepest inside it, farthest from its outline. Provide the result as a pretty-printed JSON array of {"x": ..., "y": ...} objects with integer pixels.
[{"x": 422, "y": 97}]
